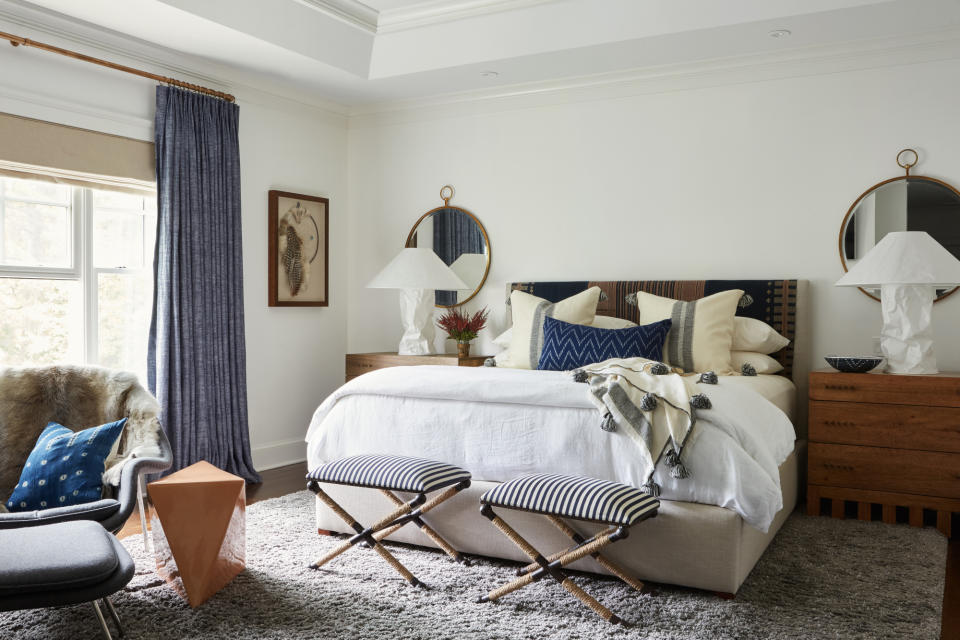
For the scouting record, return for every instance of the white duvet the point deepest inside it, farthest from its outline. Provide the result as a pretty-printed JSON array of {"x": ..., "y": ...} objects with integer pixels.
[{"x": 501, "y": 423}]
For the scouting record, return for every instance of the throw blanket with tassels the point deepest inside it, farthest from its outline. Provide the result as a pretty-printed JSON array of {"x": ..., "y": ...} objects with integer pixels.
[{"x": 654, "y": 406}]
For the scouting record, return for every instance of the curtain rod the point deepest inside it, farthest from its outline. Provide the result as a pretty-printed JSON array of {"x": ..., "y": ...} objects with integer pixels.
[{"x": 17, "y": 41}]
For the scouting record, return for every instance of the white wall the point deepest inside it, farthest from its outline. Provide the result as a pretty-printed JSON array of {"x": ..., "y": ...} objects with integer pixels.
[
  {"x": 294, "y": 356},
  {"x": 749, "y": 180}
]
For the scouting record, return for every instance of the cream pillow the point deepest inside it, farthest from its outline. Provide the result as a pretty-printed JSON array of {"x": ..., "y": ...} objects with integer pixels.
[
  {"x": 761, "y": 362},
  {"x": 611, "y": 322},
  {"x": 750, "y": 334},
  {"x": 702, "y": 331},
  {"x": 528, "y": 314}
]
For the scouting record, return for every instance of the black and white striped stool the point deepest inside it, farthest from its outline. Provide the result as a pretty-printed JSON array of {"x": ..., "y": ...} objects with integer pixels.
[
  {"x": 389, "y": 474},
  {"x": 556, "y": 496}
]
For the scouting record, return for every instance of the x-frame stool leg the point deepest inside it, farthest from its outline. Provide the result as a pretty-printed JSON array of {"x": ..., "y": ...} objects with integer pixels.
[
  {"x": 405, "y": 513},
  {"x": 553, "y": 568},
  {"x": 601, "y": 559}
]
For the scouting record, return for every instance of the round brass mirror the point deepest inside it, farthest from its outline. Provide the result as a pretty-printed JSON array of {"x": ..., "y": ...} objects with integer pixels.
[
  {"x": 904, "y": 203},
  {"x": 459, "y": 239}
]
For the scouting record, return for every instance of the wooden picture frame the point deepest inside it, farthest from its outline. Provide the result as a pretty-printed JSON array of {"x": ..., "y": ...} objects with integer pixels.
[{"x": 299, "y": 256}]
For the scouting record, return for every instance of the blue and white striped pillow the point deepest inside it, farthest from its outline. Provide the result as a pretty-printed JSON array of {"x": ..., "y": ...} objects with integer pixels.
[{"x": 569, "y": 346}]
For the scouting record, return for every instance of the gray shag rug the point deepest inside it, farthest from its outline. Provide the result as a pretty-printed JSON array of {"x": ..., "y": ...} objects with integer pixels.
[{"x": 820, "y": 578}]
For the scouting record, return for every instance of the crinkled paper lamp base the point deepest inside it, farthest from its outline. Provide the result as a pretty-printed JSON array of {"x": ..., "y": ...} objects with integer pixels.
[{"x": 907, "y": 336}]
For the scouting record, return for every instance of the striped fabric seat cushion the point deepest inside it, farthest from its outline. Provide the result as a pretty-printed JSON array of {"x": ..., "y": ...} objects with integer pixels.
[
  {"x": 397, "y": 473},
  {"x": 574, "y": 497}
]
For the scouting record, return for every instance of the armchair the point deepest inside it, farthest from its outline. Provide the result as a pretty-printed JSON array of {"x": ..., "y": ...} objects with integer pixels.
[{"x": 81, "y": 397}]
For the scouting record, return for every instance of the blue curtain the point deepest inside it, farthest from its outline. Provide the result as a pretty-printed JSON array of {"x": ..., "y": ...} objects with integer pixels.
[
  {"x": 454, "y": 233},
  {"x": 197, "y": 355}
]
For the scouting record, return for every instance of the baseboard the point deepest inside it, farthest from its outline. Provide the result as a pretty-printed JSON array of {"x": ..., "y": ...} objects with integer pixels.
[{"x": 279, "y": 454}]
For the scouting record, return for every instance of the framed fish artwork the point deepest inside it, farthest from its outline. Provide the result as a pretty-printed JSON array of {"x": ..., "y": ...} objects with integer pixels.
[{"x": 299, "y": 256}]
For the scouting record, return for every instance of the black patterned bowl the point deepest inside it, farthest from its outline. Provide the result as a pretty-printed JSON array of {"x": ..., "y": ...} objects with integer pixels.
[{"x": 853, "y": 364}]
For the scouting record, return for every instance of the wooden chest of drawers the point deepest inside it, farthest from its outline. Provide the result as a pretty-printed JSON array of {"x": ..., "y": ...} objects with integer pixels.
[
  {"x": 887, "y": 440},
  {"x": 360, "y": 363}
]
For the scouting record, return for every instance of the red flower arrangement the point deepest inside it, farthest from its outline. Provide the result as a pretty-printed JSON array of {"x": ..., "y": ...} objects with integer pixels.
[{"x": 462, "y": 327}]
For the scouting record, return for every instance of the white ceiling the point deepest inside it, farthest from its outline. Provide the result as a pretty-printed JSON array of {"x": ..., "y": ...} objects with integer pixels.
[{"x": 357, "y": 53}]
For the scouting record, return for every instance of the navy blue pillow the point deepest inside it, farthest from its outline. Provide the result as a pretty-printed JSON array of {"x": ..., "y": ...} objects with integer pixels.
[
  {"x": 65, "y": 467},
  {"x": 570, "y": 346}
]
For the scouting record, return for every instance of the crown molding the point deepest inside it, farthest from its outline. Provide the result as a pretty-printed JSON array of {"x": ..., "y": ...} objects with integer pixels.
[
  {"x": 433, "y": 12},
  {"x": 812, "y": 61},
  {"x": 94, "y": 40},
  {"x": 350, "y": 11}
]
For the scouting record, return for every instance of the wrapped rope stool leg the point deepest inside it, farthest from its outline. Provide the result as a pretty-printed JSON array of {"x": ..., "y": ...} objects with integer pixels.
[
  {"x": 390, "y": 474},
  {"x": 556, "y": 497}
]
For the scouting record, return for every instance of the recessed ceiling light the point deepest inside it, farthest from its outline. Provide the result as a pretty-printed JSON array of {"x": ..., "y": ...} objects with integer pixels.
[
  {"x": 779, "y": 33},
  {"x": 489, "y": 74}
]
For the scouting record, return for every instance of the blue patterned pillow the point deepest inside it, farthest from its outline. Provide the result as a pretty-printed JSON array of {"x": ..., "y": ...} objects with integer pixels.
[
  {"x": 569, "y": 346},
  {"x": 65, "y": 467}
]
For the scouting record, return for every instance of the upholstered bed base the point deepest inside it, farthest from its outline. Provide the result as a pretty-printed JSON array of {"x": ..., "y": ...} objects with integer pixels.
[{"x": 689, "y": 544}]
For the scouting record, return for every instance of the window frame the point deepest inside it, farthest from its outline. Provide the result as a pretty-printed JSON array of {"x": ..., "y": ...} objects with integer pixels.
[{"x": 83, "y": 268}]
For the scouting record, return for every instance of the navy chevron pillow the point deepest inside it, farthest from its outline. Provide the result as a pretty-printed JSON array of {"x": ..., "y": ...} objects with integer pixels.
[{"x": 568, "y": 346}]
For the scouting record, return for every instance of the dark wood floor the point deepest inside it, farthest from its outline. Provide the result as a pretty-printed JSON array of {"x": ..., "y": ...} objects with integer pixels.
[
  {"x": 284, "y": 480},
  {"x": 276, "y": 482}
]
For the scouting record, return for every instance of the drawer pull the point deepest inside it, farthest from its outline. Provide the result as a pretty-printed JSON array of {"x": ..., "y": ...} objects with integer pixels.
[
  {"x": 841, "y": 387},
  {"x": 838, "y": 467},
  {"x": 839, "y": 423}
]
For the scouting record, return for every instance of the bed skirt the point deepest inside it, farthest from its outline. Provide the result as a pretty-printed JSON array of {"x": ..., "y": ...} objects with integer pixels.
[{"x": 687, "y": 544}]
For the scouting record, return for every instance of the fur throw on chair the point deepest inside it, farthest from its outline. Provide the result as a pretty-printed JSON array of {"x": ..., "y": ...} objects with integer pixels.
[{"x": 77, "y": 397}]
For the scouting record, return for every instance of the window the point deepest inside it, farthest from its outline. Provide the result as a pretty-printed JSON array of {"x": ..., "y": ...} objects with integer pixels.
[{"x": 76, "y": 275}]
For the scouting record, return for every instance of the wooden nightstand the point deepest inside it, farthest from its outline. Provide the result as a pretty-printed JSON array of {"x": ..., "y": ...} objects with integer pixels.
[
  {"x": 888, "y": 440},
  {"x": 360, "y": 363}
]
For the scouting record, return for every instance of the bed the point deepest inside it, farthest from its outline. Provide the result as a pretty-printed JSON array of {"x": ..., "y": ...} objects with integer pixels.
[{"x": 500, "y": 423}]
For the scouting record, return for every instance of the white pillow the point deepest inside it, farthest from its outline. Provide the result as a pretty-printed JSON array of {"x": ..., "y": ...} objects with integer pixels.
[
  {"x": 750, "y": 334},
  {"x": 529, "y": 311},
  {"x": 760, "y": 361},
  {"x": 702, "y": 331},
  {"x": 503, "y": 340},
  {"x": 611, "y": 322}
]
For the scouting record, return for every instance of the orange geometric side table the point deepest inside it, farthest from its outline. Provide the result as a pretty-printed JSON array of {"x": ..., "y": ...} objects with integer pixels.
[{"x": 199, "y": 529}]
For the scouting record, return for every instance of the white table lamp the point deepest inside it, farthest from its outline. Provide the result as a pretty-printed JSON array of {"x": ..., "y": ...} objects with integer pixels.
[
  {"x": 908, "y": 267},
  {"x": 417, "y": 272}
]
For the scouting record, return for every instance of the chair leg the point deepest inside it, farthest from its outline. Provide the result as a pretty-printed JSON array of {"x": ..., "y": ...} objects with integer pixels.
[
  {"x": 366, "y": 535},
  {"x": 116, "y": 618},
  {"x": 143, "y": 514},
  {"x": 103, "y": 623}
]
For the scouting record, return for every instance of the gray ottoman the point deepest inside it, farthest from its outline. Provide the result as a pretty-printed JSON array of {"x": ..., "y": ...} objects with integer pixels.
[{"x": 63, "y": 564}]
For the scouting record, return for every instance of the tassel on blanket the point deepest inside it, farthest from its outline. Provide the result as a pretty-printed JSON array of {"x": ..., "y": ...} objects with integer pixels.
[
  {"x": 649, "y": 402},
  {"x": 580, "y": 375},
  {"x": 700, "y": 401},
  {"x": 608, "y": 423},
  {"x": 748, "y": 369},
  {"x": 672, "y": 458},
  {"x": 659, "y": 369},
  {"x": 651, "y": 488},
  {"x": 710, "y": 377},
  {"x": 679, "y": 471}
]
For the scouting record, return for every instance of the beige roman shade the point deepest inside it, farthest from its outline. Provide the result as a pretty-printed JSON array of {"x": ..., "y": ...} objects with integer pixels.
[{"x": 43, "y": 150}]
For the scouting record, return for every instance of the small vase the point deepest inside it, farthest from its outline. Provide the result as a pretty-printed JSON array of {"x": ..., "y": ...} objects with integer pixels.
[{"x": 463, "y": 349}]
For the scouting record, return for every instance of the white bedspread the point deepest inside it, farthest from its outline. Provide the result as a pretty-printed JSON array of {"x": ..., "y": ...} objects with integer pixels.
[{"x": 501, "y": 423}]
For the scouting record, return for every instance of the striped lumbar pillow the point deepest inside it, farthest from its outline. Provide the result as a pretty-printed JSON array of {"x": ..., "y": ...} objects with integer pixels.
[
  {"x": 701, "y": 336},
  {"x": 568, "y": 346}
]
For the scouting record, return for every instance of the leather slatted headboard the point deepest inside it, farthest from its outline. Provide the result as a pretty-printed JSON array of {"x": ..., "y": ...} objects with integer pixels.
[{"x": 773, "y": 301}]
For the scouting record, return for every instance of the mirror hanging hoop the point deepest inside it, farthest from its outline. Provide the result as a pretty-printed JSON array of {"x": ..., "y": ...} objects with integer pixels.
[
  {"x": 843, "y": 225},
  {"x": 486, "y": 240},
  {"x": 446, "y": 199},
  {"x": 907, "y": 165}
]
